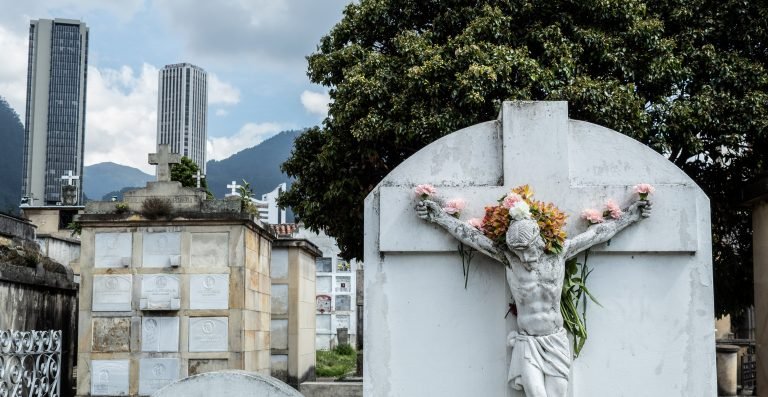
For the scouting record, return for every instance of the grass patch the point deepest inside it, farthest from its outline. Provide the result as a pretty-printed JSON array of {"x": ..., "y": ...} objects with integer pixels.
[{"x": 336, "y": 363}]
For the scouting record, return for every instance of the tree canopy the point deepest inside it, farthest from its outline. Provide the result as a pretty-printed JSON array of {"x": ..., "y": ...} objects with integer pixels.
[
  {"x": 686, "y": 77},
  {"x": 185, "y": 172}
]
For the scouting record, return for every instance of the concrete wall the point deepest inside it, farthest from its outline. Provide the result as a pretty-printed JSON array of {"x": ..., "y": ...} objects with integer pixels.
[
  {"x": 42, "y": 299},
  {"x": 16, "y": 228},
  {"x": 236, "y": 248},
  {"x": 293, "y": 310},
  {"x": 62, "y": 250}
]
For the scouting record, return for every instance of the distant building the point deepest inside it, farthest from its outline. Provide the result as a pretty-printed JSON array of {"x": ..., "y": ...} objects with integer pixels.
[
  {"x": 269, "y": 212},
  {"x": 182, "y": 110},
  {"x": 54, "y": 127}
]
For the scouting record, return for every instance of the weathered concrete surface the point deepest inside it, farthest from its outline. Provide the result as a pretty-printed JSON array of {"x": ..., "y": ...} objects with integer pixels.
[
  {"x": 228, "y": 383},
  {"x": 12, "y": 226},
  {"x": 332, "y": 389}
]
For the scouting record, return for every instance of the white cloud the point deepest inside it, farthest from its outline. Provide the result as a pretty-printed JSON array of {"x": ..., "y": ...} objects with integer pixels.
[
  {"x": 121, "y": 117},
  {"x": 13, "y": 69},
  {"x": 315, "y": 102},
  {"x": 250, "y": 134},
  {"x": 221, "y": 92}
]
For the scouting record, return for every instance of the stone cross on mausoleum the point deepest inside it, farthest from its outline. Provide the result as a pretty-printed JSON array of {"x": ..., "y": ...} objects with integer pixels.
[
  {"x": 163, "y": 160},
  {"x": 233, "y": 187},
  {"x": 199, "y": 177},
  {"x": 70, "y": 178}
]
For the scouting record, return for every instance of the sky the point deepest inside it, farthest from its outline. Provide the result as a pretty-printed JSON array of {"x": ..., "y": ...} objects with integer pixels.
[{"x": 253, "y": 50}]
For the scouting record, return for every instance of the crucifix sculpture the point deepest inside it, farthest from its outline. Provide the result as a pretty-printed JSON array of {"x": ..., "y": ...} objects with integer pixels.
[{"x": 163, "y": 160}]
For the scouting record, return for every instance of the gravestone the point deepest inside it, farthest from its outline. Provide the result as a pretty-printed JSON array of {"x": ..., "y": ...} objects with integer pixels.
[
  {"x": 235, "y": 383},
  {"x": 160, "y": 334},
  {"x": 109, "y": 377},
  {"x": 209, "y": 291},
  {"x": 155, "y": 373},
  {"x": 653, "y": 334},
  {"x": 208, "y": 334},
  {"x": 112, "y": 293},
  {"x": 159, "y": 292},
  {"x": 112, "y": 249},
  {"x": 162, "y": 249}
]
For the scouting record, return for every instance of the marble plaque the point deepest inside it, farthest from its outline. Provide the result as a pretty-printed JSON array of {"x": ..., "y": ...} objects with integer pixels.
[
  {"x": 154, "y": 373},
  {"x": 208, "y": 334},
  {"x": 209, "y": 291},
  {"x": 162, "y": 249},
  {"x": 112, "y": 250},
  {"x": 160, "y": 292},
  {"x": 109, "y": 377},
  {"x": 160, "y": 334},
  {"x": 209, "y": 250},
  {"x": 112, "y": 293},
  {"x": 278, "y": 334},
  {"x": 111, "y": 334}
]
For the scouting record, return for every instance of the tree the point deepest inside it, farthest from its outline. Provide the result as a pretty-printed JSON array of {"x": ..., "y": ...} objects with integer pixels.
[
  {"x": 185, "y": 172},
  {"x": 686, "y": 77}
]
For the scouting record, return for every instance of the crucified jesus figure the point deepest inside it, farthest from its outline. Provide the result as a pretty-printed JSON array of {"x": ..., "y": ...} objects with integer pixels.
[{"x": 541, "y": 356}]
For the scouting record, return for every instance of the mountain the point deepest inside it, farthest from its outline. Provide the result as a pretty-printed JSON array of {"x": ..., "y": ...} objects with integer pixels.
[
  {"x": 12, "y": 136},
  {"x": 258, "y": 165},
  {"x": 100, "y": 179}
]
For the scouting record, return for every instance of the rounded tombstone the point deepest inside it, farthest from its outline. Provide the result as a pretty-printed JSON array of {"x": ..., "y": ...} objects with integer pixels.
[{"x": 228, "y": 383}]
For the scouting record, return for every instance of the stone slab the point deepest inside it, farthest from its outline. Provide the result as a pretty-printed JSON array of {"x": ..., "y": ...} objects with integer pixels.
[
  {"x": 236, "y": 384},
  {"x": 156, "y": 373},
  {"x": 160, "y": 334},
  {"x": 208, "y": 334},
  {"x": 278, "y": 334},
  {"x": 209, "y": 291},
  {"x": 279, "y": 298},
  {"x": 110, "y": 377},
  {"x": 112, "y": 293},
  {"x": 209, "y": 250},
  {"x": 112, "y": 250},
  {"x": 203, "y": 365},
  {"x": 111, "y": 334},
  {"x": 160, "y": 292},
  {"x": 331, "y": 389},
  {"x": 161, "y": 249}
]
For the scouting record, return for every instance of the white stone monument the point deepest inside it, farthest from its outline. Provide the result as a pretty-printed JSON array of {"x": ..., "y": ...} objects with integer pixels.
[{"x": 427, "y": 335}]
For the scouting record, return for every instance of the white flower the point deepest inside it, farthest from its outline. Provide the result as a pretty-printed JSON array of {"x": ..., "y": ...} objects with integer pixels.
[{"x": 520, "y": 210}]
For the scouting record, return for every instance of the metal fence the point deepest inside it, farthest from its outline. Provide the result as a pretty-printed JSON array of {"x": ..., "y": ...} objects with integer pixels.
[{"x": 30, "y": 363}]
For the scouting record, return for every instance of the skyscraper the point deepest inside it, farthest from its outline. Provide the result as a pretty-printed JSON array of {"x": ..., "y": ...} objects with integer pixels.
[
  {"x": 182, "y": 110},
  {"x": 54, "y": 127}
]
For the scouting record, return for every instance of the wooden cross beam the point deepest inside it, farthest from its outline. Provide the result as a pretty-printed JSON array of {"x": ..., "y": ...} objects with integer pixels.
[{"x": 163, "y": 160}]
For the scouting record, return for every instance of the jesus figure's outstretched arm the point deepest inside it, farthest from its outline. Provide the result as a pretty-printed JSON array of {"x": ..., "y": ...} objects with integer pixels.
[{"x": 603, "y": 232}]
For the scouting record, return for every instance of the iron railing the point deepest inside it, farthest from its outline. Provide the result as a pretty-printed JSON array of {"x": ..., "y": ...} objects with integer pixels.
[{"x": 30, "y": 363}]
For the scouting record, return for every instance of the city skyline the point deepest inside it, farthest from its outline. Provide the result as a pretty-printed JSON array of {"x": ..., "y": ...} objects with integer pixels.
[{"x": 253, "y": 53}]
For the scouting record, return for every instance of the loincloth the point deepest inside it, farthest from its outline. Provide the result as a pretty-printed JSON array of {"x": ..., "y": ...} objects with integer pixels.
[{"x": 549, "y": 354}]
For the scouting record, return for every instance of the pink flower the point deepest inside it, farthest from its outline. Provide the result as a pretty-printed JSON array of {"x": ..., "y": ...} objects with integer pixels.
[
  {"x": 613, "y": 209},
  {"x": 476, "y": 223},
  {"x": 510, "y": 200},
  {"x": 592, "y": 216},
  {"x": 644, "y": 189},
  {"x": 424, "y": 191},
  {"x": 454, "y": 207}
]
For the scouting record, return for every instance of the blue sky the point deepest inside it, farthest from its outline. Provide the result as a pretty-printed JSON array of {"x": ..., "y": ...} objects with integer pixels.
[{"x": 254, "y": 52}]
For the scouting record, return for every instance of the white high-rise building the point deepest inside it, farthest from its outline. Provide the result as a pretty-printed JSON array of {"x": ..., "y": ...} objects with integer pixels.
[
  {"x": 54, "y": 127},
  {"x": 182, "y": 110}
]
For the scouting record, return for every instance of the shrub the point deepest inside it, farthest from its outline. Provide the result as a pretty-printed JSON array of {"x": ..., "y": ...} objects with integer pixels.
[
  {"x": 344, "y": 350},
  {"x": 155, "y": 207}
]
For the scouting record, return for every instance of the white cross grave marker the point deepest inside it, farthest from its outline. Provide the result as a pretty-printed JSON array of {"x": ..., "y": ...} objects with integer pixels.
[
  {"x": 199, "y": 176},
  {"x": 163, "y": 160},
  {"x": 70, "y": 177},
  {"x": 234, "y": 186}
]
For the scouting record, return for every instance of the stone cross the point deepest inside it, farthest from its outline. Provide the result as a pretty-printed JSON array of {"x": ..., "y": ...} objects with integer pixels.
[
  {"x": 199, "y": 176},
  {"x": 234, "y": 186},
  {"x": 70, "y": 177},
  {"x": 163, "y": 160}
]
